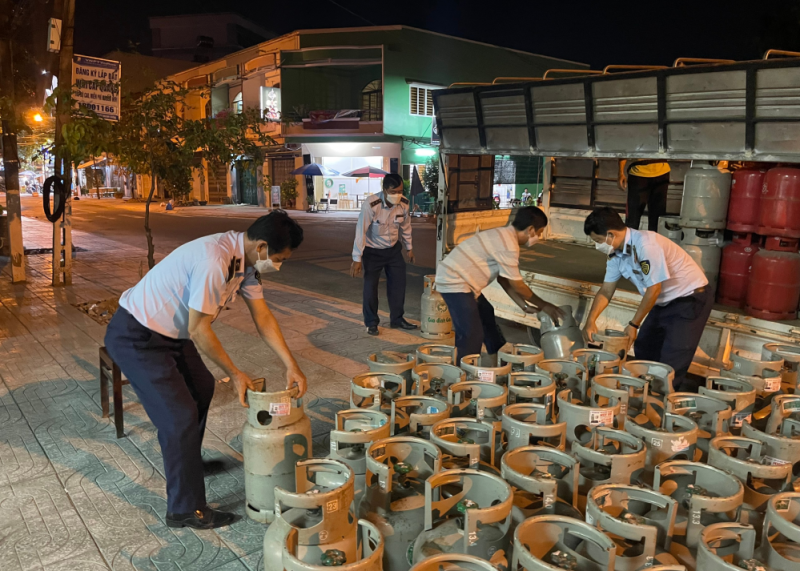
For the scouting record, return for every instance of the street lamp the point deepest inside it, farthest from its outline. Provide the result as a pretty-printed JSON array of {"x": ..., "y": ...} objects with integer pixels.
[{"x": 38, "y": 118}]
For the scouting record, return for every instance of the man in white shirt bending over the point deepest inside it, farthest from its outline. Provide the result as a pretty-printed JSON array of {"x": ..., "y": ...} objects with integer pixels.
[
  {"x": 474, "y": 264},
  {"x": 167, "y": 316}
]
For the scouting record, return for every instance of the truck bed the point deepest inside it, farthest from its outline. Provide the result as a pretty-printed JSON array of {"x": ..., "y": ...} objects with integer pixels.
[
  {"x": 569, "y": 261},
  {"x": 582, "y": 263}
]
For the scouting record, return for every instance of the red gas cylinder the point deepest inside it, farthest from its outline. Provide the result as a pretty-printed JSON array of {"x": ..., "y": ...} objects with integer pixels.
[
  {"x": 746, "y": 187},
  {"x": 734, "y": 271},
  {"x": 779, "y": 209},
  {"x": 774, "y": 289}
]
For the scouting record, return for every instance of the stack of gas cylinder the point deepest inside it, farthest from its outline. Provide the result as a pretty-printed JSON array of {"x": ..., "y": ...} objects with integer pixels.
[
  {"x": 589, "y": 462},
  {"x": 761, "y": 266},
  {"x": 704, "y": 207}
]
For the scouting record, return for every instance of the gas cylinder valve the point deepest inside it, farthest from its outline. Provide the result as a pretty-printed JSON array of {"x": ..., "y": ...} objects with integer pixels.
[
  {"x": 333, "y": 558},
  {"x": 695, "y": 490},
  {"x": 465, "y": 505},
  {"x": 542, "y": 475},
  {"x": 402, "y": 468},
  {"x": 564, "y": 560},
  {"x": 633, "y": 518},
  {"x": 752, "y": 565}
]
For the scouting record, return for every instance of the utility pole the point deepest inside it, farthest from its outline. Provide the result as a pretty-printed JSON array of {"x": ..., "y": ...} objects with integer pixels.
[
  {"x": 11, "y": 162},
  {"x": 62, "y": 166}
]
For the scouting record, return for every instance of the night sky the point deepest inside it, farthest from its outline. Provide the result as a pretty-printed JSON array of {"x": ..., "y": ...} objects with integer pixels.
[{"x": 598, "y": 33}]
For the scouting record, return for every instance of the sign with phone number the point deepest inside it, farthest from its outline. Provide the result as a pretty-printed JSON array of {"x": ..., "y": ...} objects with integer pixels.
[{"x": 95, "y": 86}]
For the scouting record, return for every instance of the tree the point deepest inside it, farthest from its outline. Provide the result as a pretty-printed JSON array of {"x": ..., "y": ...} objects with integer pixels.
[
  {"x": 150, "y": 140},
  {"x": 229, "y": 136},
  {"x": 154, "y": 139},
  {"x": 430, "y": 177}
]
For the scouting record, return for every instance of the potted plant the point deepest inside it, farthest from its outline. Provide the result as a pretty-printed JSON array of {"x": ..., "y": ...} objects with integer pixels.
[{"x": 289, "y": 192}]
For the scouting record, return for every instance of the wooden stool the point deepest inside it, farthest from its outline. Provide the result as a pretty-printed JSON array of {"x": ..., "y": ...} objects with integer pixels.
[{"x": 110, "y": 371}]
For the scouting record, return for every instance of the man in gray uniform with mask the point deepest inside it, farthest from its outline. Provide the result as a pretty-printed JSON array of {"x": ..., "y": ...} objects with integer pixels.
[
  {"x": 163, "y": 320},
  {"x": 383, "y": 223}
]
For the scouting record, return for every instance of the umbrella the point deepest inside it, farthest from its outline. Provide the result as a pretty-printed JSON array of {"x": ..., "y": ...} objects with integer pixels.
[
  {"x": 315, "y": 169},
  {"x": 372, "y": 172}
]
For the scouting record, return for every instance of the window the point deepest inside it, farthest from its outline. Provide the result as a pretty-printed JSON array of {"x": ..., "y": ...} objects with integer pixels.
[
  {"x": 372, "y": 101},
  {"x": 422, "y": 100},
  {"x": 237, "y": 104},
  {"x": 205, "y": 42}
]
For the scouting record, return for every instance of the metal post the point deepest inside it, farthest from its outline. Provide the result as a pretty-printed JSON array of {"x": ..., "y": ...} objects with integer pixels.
[
  {"x": 11, "y": 161},
  {"x": 62, "y": 166}
]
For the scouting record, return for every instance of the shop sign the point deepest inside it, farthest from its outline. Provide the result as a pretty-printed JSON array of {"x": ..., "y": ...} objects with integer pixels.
[
  {"x": 95, "y": 86},
  {"x": 435, "y": 140},
  {"x": 271, "y": 103}
]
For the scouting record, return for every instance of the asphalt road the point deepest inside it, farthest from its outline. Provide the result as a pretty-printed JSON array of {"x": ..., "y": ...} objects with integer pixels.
[{"x": 320, "y": 264}]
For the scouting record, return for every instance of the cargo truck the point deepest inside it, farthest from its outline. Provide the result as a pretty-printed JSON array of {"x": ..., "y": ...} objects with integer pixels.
[{"x": 581, "y": 127}]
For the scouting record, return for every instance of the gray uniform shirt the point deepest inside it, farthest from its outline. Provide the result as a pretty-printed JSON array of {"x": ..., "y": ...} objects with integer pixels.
[{"x": 381, "y": 224}]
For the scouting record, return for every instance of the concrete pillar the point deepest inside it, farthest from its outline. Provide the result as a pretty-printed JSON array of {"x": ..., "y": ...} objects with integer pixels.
[
  {"x": 198, "y": 179},
  {"x": 302, "y": 193},
  {"x": 230, "y": 175}
]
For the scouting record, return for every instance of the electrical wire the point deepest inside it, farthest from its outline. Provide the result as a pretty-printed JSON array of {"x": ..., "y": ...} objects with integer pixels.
[{"x": 349, "y": 11}]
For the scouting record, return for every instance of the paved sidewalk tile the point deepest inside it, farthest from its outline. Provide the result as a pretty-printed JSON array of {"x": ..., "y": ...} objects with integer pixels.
[{"x": 72, "y": 495}]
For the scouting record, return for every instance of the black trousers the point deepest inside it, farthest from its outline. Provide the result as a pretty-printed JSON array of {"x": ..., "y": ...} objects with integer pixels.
[
  {"x": 474, "y": 324},
  {"x": 671, "y": 333},
  {"x": 390, "y": 260},
  {"x": 649, "y": 192},
  {"x": 175, "y": 388}
]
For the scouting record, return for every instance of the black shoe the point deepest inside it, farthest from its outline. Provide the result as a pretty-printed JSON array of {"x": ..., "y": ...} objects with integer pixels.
[
  {"x": 403, "y": 325},
  {"x": 211, "y": 467},
  {"x": 372, "y": 330},
  {"x": 206, "y": 518}
]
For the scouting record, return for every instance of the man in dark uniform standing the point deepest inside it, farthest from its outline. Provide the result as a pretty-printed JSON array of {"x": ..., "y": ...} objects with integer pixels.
[{"x": 384, "y": 223}]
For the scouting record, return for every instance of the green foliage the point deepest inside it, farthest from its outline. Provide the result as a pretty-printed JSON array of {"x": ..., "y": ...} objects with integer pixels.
[
  {"x": 430, "y": 178},
  {"x": 153, "y": 138},
  {"x": 288, "y": 190}
]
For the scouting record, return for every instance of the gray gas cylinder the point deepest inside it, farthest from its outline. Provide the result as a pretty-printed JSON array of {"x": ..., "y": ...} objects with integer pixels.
[
  {"x": 394, "y": 499},
  {"x": 275, "y": 437},
  {"x": 558, "y": 341},
  {"x": 670, "y": 227},
  {"x": 706, "y": 191},
  {"x": 321, "y": 511},
  {"x": 355, "y": 430},
  {"x": 705, "y": 248},
  {"x": 467, "y": 512}
]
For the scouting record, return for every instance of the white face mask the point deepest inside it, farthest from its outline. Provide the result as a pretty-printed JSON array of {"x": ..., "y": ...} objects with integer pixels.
[
  {"x": 393, "y": 198},
  {"x": 604, "y": 247},
  {"x": 532, "y": 240},
  {"x": 266, "y": 266}
]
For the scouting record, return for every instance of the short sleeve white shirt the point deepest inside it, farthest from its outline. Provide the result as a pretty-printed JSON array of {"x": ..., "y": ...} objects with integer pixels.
[
  {"x": 204, "y": 275},
  {"x": 479, "y": 260},
  {"x": 648, "y": 258}
]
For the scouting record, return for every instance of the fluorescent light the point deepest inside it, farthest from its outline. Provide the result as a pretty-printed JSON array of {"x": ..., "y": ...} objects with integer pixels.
[{"x": 425, "y": 152}]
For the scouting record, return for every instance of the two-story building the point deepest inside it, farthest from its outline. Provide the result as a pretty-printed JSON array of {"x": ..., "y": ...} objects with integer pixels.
[{"x": 345, "y": 98}]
